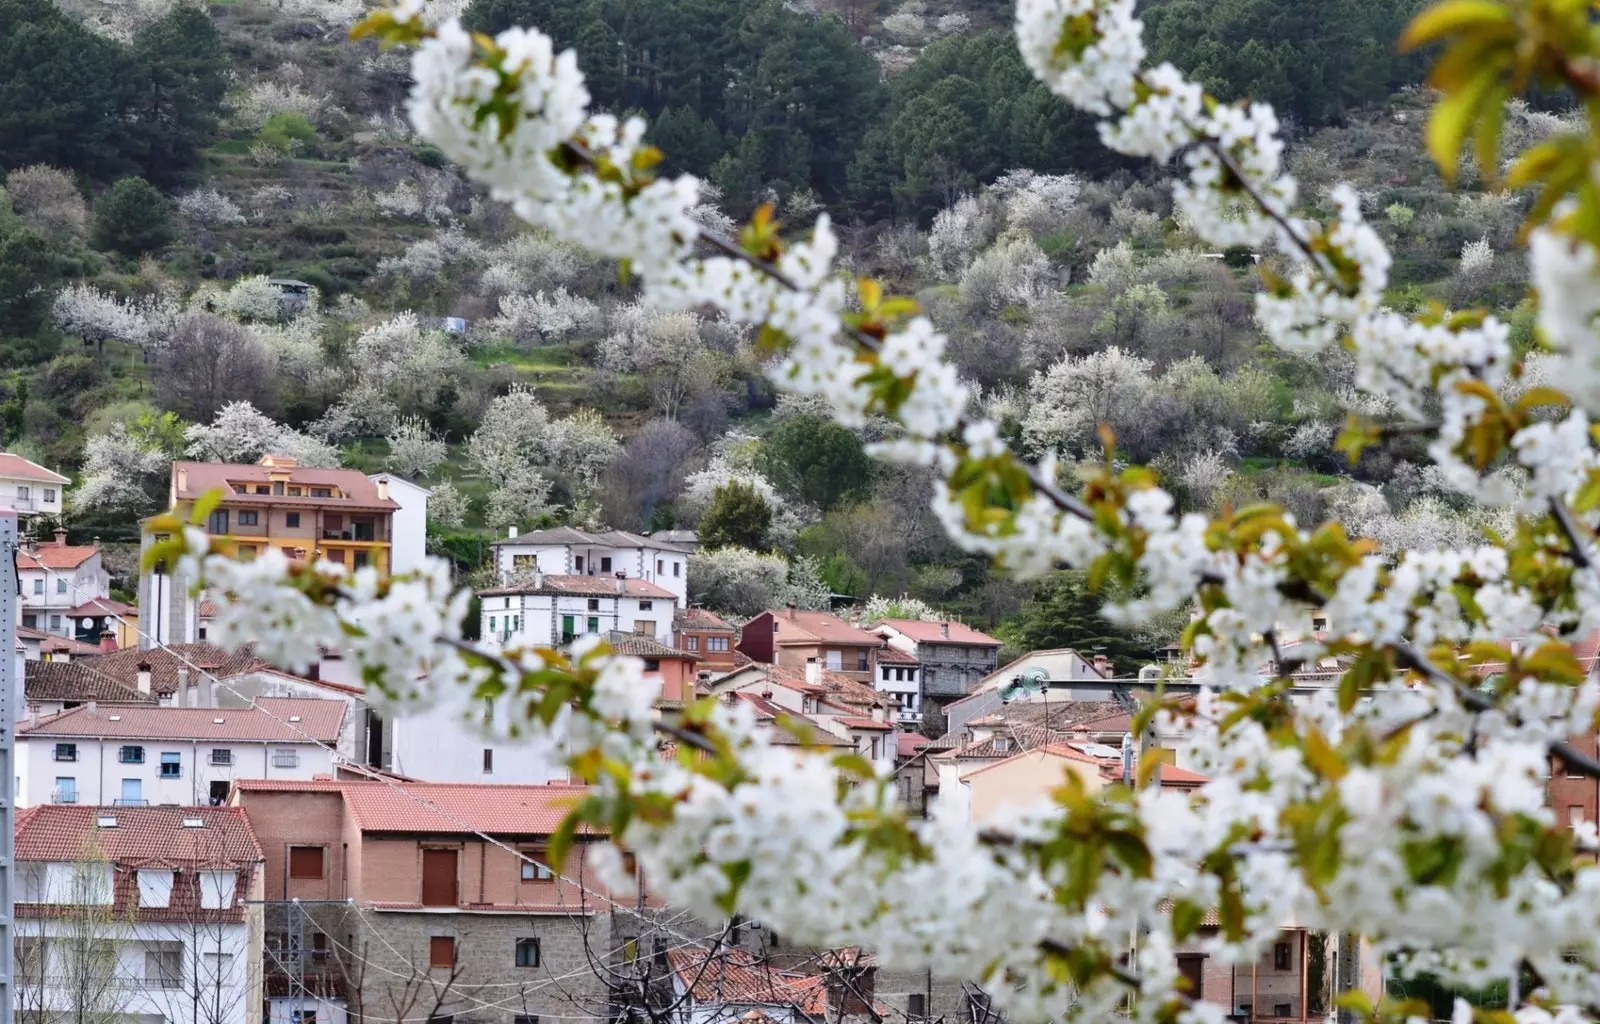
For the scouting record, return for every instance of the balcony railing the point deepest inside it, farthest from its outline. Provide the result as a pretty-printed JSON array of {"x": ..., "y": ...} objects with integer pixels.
[{"x": 64, "y": 796}]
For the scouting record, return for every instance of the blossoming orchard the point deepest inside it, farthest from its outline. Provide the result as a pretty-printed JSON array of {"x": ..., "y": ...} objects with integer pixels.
[{"x": 1405, "y": 805}]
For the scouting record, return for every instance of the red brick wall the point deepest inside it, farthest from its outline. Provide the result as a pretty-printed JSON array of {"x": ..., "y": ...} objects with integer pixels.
[
  {"x": 1567, "y": 793},
  {"x": 284, "y": 819}
]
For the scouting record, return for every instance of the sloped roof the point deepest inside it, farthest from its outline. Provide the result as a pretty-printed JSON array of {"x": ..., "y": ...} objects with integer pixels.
[
  {"x": 796, "y": 626},
  {"x": 142, "y": 835},
  {"x": 17, "y": 467},
  {"x": 700, "y": 618},
  {"x": 104, "y": 606},
  {"x": 733, "y": 975},
  {"x": 768, "y": 711},
  {"x": 910, "y": 744},
  {"x": 50, "y": 555},
  {"x": 200, "y": 477},
  {"x": 583, "y": 586},
  {"x": 1058, "y": 715},
  {"x": 834, "y": 687},
  {"x": 895, "y": 656},
  {"x": 857, "y": 722},
  {"x": 461, "y": 807},
  {"x": 76, "y": 681},
  {"x": 641, "y": 646},
  {"x": 273, "y": 721},
  {"x": 164, "y": 662},
  {"x": 568, "y": 535},
  {"x": 934, "y": 632}
]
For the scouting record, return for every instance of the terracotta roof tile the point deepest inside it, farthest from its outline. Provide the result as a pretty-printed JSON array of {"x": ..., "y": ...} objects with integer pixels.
[
  {"x": 583, "y": 586},
  {"x": 854, "y": 722},
  {"x": 76, "y": 681},
  {"x": 25, "y": 469},
  {"x": 142, "y": 835},
  {"x": 165, "y": 662},
  {"x": 910, "y": 744},
  {"x": 895, "y": 656},
  {"x": 642, "y": 646},
  {"x": 700, "y": 618},
  {"x": 568, "y": 535},
  {"x": 800, "y": 627},
  {"x": 935, "y": 632},
  {"x": 51, "y": 555},
  {"x": 836, "y": 687},
  {"x": 461, "y": 807},
  {"x": 104, "y": 606},
  {"x": 767, "y": 713},
  {"x": 201, "y": 477},
  {"x": 272, "y": 721}
]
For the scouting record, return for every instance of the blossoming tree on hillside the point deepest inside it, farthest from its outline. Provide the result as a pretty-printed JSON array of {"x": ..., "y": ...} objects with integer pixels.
[{"x": 1406, "y": 804}]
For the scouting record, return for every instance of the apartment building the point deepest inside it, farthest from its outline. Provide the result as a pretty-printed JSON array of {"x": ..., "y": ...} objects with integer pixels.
[
  {"x": 431, "y": 904},
  {"x": 137, "y": 755},
  {"x": 337, "y": 515},
  {"x": 953, "y": 658},
  {"x": 792, "y": 637},
  {"x": 546, "y": 610},
  {"x": 29, "y": 488},
  {"x": 565, "y": 551},
  {"x": 136, "y": 914},
  {"x": 709, "y": 636},
  {"x": 55, "y": 579}
]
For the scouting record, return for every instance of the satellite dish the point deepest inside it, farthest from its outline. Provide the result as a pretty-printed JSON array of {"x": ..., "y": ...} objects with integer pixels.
[
  {"x": 1026, "y": 683},
  {"x": 88, "y": 623}
]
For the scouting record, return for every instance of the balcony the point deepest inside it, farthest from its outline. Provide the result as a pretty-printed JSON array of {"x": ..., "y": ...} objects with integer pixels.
[{"x": 63, "y": 796}]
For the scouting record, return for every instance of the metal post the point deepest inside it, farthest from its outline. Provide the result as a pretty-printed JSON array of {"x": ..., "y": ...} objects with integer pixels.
[
  {"x": 297, "y": 939},
  {"x": 9, "y": 685}
]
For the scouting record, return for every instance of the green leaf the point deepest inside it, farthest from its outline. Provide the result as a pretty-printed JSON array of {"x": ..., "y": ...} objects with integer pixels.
[
  {"x": 1451, "y": 18},
  {"x": 1452, "y": 121},
  {"x": 205, "y": 505}
]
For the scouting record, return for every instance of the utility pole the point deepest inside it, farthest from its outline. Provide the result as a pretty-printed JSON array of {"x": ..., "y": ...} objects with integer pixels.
[{"x": 10, "y": 588}]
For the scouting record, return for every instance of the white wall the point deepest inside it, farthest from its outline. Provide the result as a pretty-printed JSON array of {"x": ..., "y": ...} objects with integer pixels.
[
  {"x": 281, "y": 1010},
  {"x": 99, "y": 772},
  {"x": 638, "y": 563},
  {"x": 36, "y": 503},
  {"x": 409, "y": 545},
  {"x": 538, "y": 617},
  {"x": 437, "y": 745},
  {"x": 43, "y": 596}
]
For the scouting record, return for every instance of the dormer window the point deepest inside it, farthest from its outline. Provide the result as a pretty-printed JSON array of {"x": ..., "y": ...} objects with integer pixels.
[
  {"x": 294, "y": 492},
  {"x": 321, "y": 492}
]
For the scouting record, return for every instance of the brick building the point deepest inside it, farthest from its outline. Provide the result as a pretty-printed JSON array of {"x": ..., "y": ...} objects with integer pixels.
[
  {"x": 422, "y": 918},
  {"x": 790, "y": 638},
  {"x": 707, "y": 634}
]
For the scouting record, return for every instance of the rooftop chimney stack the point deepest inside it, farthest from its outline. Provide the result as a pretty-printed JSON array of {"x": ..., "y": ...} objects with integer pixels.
[
  {"x": 622, "y": 586},
  {"x": 61, "y": 536},
  {"x": 184, "y": 698},
  {"x": 183, "y": 479},
  {"x": 383, "y": 488},
  {"x": 144, "y": 677},
  {"x": 108, "y": 641},
  {"x": 792, "y": 607},
  {"x": 1102, "y": 664},
  {"x": 944, "y": 630},
  {"x": 511, "y": 531},
  {"x": 813, "y": 672}
]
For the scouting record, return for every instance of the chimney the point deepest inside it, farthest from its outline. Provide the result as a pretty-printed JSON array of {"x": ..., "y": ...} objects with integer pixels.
[
  {"x": 511, "y": 531},
  {"x": 61, "y": 536},
  {"x": 108, "y": 641},
  {"x": 622, "y": 585},
  {"x": 791, "y": 611},
  {"x": 93, "y": 707},
  {"x": 1102, "y": 664},
  {"x": 383, "y": 488},
  {"x": 97, "y": 543},
  {"x": 944, "y": 630},
  {"x": 144, "y": 677},
  {"x": 183, "y": 480},
  {"x": 182, "y": 697},
  {"x": 813, "y": 672},
  {"x": 208, "y": 691}
]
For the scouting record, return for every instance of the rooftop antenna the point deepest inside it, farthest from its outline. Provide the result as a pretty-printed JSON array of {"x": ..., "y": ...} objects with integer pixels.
[{"x": 1026, "y": 683}]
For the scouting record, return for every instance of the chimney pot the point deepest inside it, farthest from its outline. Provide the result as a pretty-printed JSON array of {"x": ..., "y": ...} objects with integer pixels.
[
  {"x": 93, "y": 708},
  {"x": 383, "y": 487},
  {"x": 108, "y": 641},
  {"x": 184, "y": 697},
  {"x": 183, "y": 479},
  {"x": 792, "y": 607},
  {"x": 511, "y": 531},
  {"x": 144, "y": 677},
  {"x": 97, "y": 543},
  {"x": 61, "y": 536},
  {"x": 944, "y": 630}
]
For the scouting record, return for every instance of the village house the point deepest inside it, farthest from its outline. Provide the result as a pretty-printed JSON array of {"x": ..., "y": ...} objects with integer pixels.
[
  {"x": 96, "y": 619},
  {"x": 900, "y": 678},
  {"x": 40, "y": 645},
  {"x": 437, "y": 917},
  {"x": 1064, "y": 669},
  {"x": 567, "y": 551},
  {"x": 55, "y": 578},
  {"x": 977, "y": 789},
  {"x": 408, "y": 547},
  {"x": 136, "y": 755},
  {"x": 953, "y": 657},
  {"x": 708, "y": 635},
  {"x": 157, "y": 894},
  {"x": 547, "y": 610},
  {"x": 337, "y": 515},
  {"x": 791, "y": 638},
  {"x": 833, "y": 702},
  {"x": 29, "y": 488}
]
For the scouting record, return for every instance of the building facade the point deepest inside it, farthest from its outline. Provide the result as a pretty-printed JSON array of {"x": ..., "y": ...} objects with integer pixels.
[
  {"x": 954, "y": 658},
  {"x": 565, "y": 551},
  {"x": 29, "y": 488},
  {"x": 56, "y": 578},
  {"x": 136, "y": 913},
  {"x": 337, "y": 515},
  {"x": 708, "y": 636},
  {"x": 137, "y": 755},
  {"x": 409, "y": 546},
  {"x": 553, "y": 610},
  {"x": 437, "y": 918},
  {"x": 791, "y": 638}
]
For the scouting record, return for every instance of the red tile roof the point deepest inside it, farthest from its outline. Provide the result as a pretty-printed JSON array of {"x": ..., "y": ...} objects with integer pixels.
[
  {"x": 641, "y": 646},
  {"x": 75, "y": 681},
  {"x": 910, "y": 744},
  {"x": 50, "y": 555},
  {"x": 15, "y": 466},
  {"x": 104, "y": 606},
  {"x": 200, "y": 477},
  {"x": 53, "y": 644},
  {"x": 583, "y": 586},
  {"x": 835, "y": 687},
  {"x": 934, "y": 632},
  {"x": 456, "y": 807},
  {"x": 165, "y": 662},
  {"x": 700, "y": 618},
  {"x": 767, "y": 713},
  {"x": 142, "y": 835},
  {"x": 853, "y": 722},
  {"x": 733, "y": 975},
  {"x": 271, "y": 722},
  {"x": 804, "y": 627},
  {"x": 894, "y": 656}
]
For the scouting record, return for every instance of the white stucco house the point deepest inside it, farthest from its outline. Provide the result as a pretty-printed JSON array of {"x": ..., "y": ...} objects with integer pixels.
[
  {"x": 137, "y": 755},
  {"x": 157, "y": 894},
  {"x": 57, "y": 577},
  {"x": 30, "y": 488},
  {"x": 565, "y": 551},
  {"x": 408, "y": 544},
  {"x": 550, "y": 610}
]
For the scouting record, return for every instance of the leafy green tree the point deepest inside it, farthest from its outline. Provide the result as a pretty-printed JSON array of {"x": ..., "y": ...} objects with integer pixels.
[
  {"x": 29, "y": 271},
  {"x": 816, "y": 460},
  {"x": 62, "y": 91},
  {"x": 1063, "y": 612},
  {"x": 132, "y": 218},
  {"x": 737, "y": 517},
  {"x": 176, "y": 99}
]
